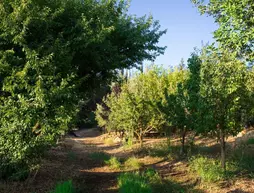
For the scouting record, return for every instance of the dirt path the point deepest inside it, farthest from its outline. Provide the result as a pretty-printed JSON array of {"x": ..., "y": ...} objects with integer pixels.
[{"x": 72, "y": 160}]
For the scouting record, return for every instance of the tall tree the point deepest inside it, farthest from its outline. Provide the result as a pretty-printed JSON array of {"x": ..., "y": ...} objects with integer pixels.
[
  {"x": 53, "y": 54},
  {"x": 224, "y": 92},
  {"x": 193, "y": 89}
]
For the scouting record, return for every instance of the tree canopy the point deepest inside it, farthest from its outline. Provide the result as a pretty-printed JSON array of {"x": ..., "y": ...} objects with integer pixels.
[
  {"x": 236, "y": 24},
  {"x": 53, "y": 54}
]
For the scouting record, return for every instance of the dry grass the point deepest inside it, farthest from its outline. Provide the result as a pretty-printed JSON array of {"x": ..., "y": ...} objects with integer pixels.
[{"x": 72, "y": 161}]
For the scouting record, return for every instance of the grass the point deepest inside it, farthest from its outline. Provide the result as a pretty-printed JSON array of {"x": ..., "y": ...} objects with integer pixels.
[
  {"x": 132, "y": 163},
  {"x": 99, "y": 156},
  {"x": 243, "y": 162},
  {"x": 109, "y": 141},
  {"x": 64, "y": 187},
  {"x": 135, "y": 182},
  {"x": 162, "y": 150},
  {"x": 148, "y": 181},
  {"x": 208, "y": 169},
  {"x": 113, "y": 163}
]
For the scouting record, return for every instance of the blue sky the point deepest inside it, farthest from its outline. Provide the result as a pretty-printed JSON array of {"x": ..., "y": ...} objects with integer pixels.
[{"x": 186, "y": 27}]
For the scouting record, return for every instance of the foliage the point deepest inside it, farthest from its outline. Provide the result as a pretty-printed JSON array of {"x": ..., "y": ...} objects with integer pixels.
[
  {"x": 208, "y": 169},
  {"x": 176, "y": 98},
  {"x": 194, "y": 102},
  {"x": 132, "y": 163},
  {"x": 133, "y": 183},
  {"x": 224, "y": 94},
  {"x": 135, "y": 109},
  {"x": 53, "y": 55},
  {"x": 235, "y": 19},
  {"x": 113, "y": 163},
  {"x": 147, "y": 181},
  {"x": 65, "y": 187}
]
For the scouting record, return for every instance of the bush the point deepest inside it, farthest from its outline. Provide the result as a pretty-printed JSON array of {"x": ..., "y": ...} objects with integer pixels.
[
  {"x": 134, "y": 183},
  {"x": 132, "y": 163},
  {"x": 113, "y": 163},
  {"x": 209, "y": 170},
  {"x": 65, "y": 187}
]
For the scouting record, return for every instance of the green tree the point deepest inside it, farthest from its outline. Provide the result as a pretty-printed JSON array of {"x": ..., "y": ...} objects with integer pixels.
[
  {"x": 53, "y": 54},
  {"x": 193, "y": 90},
  {"x": 135, "y": 108},
  {"x": 224, "y": 92},
  {"x": 236, "y": 21},
  {"x": 176, "y": 101}
]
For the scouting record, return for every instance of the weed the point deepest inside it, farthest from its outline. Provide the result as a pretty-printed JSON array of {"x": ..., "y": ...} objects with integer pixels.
[
  {"x": 133, "y": 183},
  {"x": 209, "y": 170},
  {"x": 65, "y": 187},
  {"x": 147, "y": 182},
  {"x": 113, "y": 163},
  {"x": 132, "y": 163}
]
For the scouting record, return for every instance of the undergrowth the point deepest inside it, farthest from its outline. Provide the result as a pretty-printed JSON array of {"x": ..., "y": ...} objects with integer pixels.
[
  {"x": 113, "y": 163},
  {"x": 64, "y": 187},
  {"x": 132, "y": 163}
]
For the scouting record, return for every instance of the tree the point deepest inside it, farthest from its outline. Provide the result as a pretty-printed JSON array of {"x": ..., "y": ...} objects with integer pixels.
[
  {"x": 236, "y": 24},
  {"x": 53, "y": 54},
  {"x": 175, "y": 105},
  {"x": 194, "y": 104},
  {"x": 135, "y": 108},
  {"x": 224, "y": 93}
]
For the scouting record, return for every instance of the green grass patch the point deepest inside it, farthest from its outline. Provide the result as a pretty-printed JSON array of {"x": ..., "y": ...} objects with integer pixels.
[
  {"x": 135, "y": 182},
  {"x": 148, "y": 181},
  {"x": 113, "y": 163},
  {"x": 209, "y": 170},
  {"x": 99, "y": 156},
  {"x": 132, "y": 163},
  {"x": 64, "y": 187}
]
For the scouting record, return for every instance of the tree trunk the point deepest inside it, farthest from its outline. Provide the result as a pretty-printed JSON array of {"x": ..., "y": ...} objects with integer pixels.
[
  {"x": 223, "y": 149},
  {"x": 183, "y": 141}
]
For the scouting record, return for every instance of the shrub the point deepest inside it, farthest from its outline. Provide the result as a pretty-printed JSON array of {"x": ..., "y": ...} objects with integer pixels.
[
  {"x": 209, "y": 170},
  {"x": 113, "y": 163},
  {"x": 65, "y": 187},
  {"x": 133, "y": 183},
  {"x": 132, "y": 163}
]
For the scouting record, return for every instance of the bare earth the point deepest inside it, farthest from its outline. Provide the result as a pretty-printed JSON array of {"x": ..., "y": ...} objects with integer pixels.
[{"x": 71, "y": 161}]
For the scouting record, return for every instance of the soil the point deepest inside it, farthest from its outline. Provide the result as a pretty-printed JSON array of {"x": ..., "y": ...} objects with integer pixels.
[{"x": 71, "y": 161}]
